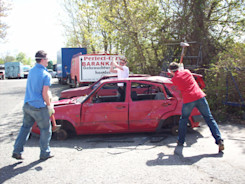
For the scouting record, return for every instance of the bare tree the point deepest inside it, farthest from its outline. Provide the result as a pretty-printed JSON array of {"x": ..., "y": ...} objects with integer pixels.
[{"x": 4, "y": 8}]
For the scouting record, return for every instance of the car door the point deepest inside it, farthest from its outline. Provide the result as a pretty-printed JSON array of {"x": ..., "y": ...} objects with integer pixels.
[
  {"x": 148, "y": 103},
  {"x": 105, "y": 114}
]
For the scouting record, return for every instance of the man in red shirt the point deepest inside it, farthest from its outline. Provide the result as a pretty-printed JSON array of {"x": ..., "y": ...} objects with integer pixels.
[{"x": 193, "y": 96}]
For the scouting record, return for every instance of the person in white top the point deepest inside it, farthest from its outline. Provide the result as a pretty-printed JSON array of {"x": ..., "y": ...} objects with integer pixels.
[
  {"x": 121, "y": 69},
  {"x": 122, "y": 72}
]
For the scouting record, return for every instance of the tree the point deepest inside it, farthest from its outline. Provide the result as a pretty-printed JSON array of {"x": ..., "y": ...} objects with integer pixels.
[
  {"x": 213, "y": 23},
  {"x": 141, "y": 29},
  {"x": 135, "y": 24},
  {"x": 83, "y": 30},
  {"x": 9, "y": 59},
  {"x": 1, "y": 61},
  {"x": 221, "y": 86},
  {"x": 21, "y": 57},
  {"x": 4, "y": 8}
]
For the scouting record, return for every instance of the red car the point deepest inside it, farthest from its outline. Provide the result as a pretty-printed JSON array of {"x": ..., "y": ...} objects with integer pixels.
[
  {"x": 144, "y": 104},
  {"x": 85, "y": 90}
]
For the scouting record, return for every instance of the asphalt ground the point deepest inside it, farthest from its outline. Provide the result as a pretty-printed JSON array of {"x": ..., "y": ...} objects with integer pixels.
[{"x": 122, "y": 158}]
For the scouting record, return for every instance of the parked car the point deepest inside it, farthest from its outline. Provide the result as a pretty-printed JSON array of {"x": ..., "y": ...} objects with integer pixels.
[
  {"x": 145, "y": 104},
  {"x": 52, "y": 73},
  {"x": 2, "y": 72},
  {"x": 26, "y": 69},
  {"x": 85, "y": 90}
]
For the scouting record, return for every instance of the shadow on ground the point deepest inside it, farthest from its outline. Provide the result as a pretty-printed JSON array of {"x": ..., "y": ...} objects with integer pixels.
[
  {"x": 178, "y": 159},
  {"x": 10, "y": 171},
  {"x": 10, "y": 127}
]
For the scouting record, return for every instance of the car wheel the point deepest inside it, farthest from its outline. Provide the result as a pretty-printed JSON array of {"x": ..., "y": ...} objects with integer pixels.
[
  {"x": 175, "y": 130},
  {"x": 76, "y": 83},
  {"x": 61, "y": 134},
  {"x": 73, "y": 83}
]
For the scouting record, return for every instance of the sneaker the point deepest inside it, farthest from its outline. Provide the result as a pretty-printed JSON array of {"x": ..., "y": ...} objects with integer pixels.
[
  {"x": 17, "y": 156},
  {"x": 46, "y": 158},
  {"x": 221, "y": 145}
]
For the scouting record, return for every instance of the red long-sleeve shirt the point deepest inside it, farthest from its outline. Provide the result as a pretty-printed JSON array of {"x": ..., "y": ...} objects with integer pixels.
[{"x": 188, "y": 86}]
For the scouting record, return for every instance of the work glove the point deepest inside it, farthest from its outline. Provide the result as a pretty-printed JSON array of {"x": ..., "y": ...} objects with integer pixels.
[
  {"x": 181, "y": 66},
  {"x": 51, "y": 109}
]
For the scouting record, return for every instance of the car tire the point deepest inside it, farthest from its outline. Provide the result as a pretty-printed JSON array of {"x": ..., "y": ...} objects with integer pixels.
[
  {"x": 61, "y": 134},
  {"x": 175, "y": 130},
  {"x": 76, "y": 83},
  {"x": 73, "y": 83}
]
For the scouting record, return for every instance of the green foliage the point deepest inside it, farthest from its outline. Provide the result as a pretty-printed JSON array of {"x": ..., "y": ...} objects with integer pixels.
[
  {"x": 132, "y": 23},
  {"x": 229, "y": 62},
  {"x": 9, "y": 59},
  {"x": 140, "y": 29},
  {"x": 21, "y": 57},
  {"x": 1, "y": 61}
]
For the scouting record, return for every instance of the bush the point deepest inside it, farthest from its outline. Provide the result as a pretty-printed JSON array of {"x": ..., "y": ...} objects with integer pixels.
[{"x": 218, "y": 77}]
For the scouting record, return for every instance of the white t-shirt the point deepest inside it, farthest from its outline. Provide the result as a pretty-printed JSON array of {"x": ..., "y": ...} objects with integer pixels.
[{"x": 121, "y": 74}]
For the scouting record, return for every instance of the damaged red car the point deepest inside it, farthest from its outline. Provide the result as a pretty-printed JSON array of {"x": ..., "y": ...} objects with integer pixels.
[{"x": 144, "y": 104}]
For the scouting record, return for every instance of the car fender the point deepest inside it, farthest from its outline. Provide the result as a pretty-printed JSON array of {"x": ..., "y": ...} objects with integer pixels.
[
  {"x": 62, "y": 119},
  {"x": 69, "y": 113},
  {"x": 168, "y": 115},
  {"x": 67, "y": 125},
  {"x": 166, "y": 119}
]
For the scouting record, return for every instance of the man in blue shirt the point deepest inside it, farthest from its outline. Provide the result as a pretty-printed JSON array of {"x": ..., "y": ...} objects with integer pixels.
[{"x": 36, "y": 108}]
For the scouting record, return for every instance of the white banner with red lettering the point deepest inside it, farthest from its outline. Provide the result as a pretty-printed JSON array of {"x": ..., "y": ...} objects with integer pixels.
[{"x": 93, "y": 67}]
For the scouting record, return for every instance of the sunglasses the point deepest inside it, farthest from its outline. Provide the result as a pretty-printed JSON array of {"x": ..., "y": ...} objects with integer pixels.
[{"x": 41, "y": 58}]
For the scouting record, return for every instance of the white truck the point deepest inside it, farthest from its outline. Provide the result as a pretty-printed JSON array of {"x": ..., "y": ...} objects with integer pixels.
[{"x": 89, "y": 68}]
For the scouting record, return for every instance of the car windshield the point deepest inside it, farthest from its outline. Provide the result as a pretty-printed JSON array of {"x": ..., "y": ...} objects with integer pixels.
[
  {"x": 26, "y": 68},
  {"x": 99, "y": 82},
  {"x": 81, "y": 99},
  {"x": 95, "y": 85}
]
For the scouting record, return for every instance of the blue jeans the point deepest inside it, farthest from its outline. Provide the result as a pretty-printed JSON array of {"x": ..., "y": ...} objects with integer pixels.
[
  {"x": 31, "y": 115},
  {"x": 203, "y": 107}
]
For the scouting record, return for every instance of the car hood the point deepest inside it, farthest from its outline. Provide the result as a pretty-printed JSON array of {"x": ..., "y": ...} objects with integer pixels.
[
  {"x": 64, "y": 102},
  {"x": 76, "y": 89},
  {"x": 74, "y": 100}
]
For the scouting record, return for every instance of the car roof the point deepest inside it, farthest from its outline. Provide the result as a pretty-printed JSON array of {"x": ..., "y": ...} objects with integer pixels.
[
  {"x": 157, "y": 79},
  {"x": 130, "y": 75}
]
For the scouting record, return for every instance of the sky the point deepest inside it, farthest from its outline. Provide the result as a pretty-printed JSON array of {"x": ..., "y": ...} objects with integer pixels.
[{"x": 34, "y": 25}]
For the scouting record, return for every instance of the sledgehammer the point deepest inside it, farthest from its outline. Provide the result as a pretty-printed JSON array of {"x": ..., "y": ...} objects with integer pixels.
[
  {"x": 183, "y": 45},
  {"x": 55, "y": 127}
]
